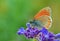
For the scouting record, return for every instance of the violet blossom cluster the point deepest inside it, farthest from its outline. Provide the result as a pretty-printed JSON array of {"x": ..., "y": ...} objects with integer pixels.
[{"x": 39, "y": 34}]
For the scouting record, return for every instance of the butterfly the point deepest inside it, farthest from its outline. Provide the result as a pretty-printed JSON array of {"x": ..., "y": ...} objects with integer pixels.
[{"x": 42, "y": 18}]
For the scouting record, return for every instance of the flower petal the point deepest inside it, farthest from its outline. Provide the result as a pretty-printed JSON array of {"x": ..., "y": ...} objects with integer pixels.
[
  {"x": 21, "y": 31},
  {"x": 44, "y": 31},
  {"x": 58, "y": 35},
  {"x": 28, "y": 25},
  {"x": 57, "y": 39}
]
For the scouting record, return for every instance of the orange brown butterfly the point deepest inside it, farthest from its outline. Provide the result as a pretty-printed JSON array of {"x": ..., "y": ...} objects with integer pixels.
[{"x": 42, "y": 18}]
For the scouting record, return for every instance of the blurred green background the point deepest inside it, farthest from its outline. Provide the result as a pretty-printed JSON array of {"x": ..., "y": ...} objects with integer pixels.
[{"x": 15, "y": 13}]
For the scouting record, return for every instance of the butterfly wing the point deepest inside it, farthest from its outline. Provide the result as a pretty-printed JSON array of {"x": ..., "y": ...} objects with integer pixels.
[
  {"x": 45, "y": 11},
  {"x": 44, "y": 16}
]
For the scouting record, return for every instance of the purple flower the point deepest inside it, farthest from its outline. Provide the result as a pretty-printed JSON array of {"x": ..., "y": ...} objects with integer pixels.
[
  {"x": 46, "y": 35},
  {"x": 30, "y": 32},
  {"x": 44, "y": 31},
  {"x": 42, "y": 34},
  {"x": 21, "y": 31},
  {"x": 57, "y": 35}
]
